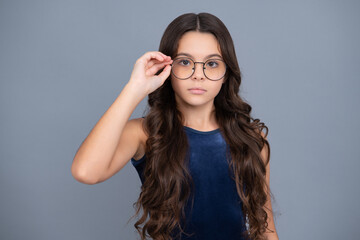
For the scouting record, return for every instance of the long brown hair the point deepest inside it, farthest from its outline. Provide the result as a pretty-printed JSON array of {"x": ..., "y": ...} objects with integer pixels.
[{"x": 168, "y": 182}]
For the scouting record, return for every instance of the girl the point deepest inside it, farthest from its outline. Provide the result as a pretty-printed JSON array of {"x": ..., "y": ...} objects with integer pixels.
[{"x": 202, "y": 159}]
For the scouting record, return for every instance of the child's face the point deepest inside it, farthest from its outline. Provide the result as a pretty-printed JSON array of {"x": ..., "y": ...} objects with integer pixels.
[{"x": 198, "y": 45}]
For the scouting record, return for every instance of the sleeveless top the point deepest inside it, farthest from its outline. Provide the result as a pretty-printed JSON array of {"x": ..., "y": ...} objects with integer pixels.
[{"x": 216, "y": 213}]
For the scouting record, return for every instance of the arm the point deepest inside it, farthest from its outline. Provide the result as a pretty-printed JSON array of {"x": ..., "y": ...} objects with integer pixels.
[
  {"x": 93, "y": 158},
  {"x": 115, "y": 138},
  {"x": 271, "y": 224}
]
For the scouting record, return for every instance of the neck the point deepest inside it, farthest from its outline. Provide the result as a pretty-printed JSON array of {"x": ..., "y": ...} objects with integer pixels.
[{"x": 199, "y": 117}]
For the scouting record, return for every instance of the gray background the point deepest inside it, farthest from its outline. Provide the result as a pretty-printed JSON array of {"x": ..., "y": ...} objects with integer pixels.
[{"x": 63, "y": 63}]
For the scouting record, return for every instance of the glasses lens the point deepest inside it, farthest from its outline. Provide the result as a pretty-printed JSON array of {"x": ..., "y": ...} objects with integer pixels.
[
  {"x": 182, "y": 67},
  {"x": 214, "y": 69}
]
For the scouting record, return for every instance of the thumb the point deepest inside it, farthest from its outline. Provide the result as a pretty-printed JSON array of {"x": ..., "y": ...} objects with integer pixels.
[{"x": 165, "y": 73}]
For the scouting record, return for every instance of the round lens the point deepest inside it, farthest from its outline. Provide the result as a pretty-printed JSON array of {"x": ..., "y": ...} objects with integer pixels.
[
  {"x": 182, "y": 67},
  {"x": 214, "y": 69}
]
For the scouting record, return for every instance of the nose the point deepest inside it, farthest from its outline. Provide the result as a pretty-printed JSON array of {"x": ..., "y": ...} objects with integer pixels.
[{"x": 198, "y": 71}]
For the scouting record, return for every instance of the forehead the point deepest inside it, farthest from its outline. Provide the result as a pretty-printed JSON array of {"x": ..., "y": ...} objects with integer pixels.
[{"x": 198, "y": 44}]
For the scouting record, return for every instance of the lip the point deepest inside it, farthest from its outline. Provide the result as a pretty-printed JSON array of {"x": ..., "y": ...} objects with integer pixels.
[{"x": 197, "y": 90}]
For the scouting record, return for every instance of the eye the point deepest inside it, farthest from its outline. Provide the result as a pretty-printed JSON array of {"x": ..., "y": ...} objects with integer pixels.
[
  {"x": 212, "y": 63},
  {"x": 184, "y": 62}
]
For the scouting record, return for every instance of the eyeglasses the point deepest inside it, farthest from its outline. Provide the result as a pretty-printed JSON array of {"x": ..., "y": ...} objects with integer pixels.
[{"x": 183, "y": 68}]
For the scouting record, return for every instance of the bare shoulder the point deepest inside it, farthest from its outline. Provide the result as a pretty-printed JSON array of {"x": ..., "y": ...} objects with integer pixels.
[
  {"x": 261, "y": 133},
  {"x": 265, "y": 150},
  {"x": 138, "y": 122}
]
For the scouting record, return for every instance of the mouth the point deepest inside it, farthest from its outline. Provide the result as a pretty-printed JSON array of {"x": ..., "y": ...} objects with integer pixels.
[{"x": 197, "y": 90}]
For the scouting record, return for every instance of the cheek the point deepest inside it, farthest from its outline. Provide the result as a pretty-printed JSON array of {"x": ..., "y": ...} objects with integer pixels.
[
  {"x": 217, "y": 88},
  {"x": 173, "y": 84},
  {"x": 177, "y": 85}
]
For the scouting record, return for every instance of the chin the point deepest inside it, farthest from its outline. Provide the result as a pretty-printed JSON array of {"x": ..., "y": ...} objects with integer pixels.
[{"x": 192, "y": 100}]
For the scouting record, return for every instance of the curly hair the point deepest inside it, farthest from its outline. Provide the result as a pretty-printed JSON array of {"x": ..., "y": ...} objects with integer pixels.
[{"x": 167, "y": 187}]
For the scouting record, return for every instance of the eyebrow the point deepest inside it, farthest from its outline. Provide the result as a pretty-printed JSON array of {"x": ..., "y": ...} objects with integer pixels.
[{"x": 208, "y": 56}]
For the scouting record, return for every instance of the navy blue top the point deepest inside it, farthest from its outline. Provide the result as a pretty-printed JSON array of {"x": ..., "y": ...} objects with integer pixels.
[{"x": 216, "y": 213}]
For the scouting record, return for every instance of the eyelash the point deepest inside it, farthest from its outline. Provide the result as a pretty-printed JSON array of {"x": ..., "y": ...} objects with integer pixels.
[{"x": 207, "y": 60}]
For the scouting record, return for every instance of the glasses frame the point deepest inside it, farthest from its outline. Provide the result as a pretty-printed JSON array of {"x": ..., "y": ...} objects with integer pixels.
[{"x": 203, "y": 63}]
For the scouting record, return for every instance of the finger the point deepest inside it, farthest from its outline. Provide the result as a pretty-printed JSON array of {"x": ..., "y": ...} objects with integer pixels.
[
  {"x": 152, "y": 63},
  {"x": 157, "y": 67},
  {"x": 155, "y": 61},
  {"x": 166, "y": 58},
  {"x": 154, "y": 69},
  {"x": 165, "y": 73},
  {"x": 154, "y": 55},
  {"x": 146, "y": 58}
]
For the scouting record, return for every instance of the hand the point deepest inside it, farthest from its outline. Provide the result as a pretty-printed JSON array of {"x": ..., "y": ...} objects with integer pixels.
[{"x": 143, "y": 74}]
